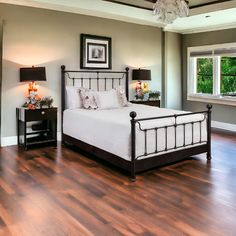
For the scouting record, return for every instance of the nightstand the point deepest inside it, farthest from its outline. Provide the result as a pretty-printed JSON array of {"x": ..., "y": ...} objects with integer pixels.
[
  {"x": 36, "y": 127},
  {"x": 155, "y": 103}
]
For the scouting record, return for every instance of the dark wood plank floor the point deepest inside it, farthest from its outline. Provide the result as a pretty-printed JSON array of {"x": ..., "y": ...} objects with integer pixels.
[{"x": 50, "y": 191}]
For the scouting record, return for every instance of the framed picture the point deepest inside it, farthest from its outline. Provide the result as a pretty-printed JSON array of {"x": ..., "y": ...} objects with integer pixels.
[{"x": 95, "y": 52}]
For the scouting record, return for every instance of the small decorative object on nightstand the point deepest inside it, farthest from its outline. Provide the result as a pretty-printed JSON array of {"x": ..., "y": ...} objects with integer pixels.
[
  {"x": 155, "y": 103},
  {"x": 38, "y": 126},
  {"x": 154, "y": 95},
  {"x": 46, "y": 102}
]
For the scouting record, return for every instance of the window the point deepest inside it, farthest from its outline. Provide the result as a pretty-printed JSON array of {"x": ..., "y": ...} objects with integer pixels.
[
  {"x": 212, "y": 72},
  {"x": 228, "y": 75},
  {"x": 205, "y": 75}
]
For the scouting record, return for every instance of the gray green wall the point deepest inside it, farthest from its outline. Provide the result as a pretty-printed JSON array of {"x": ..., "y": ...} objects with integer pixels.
[
  {"x": 50, "y": 38},
  {"x": 173, "y": 71},
  {"x": 1, "y": 35},
  {"x": 222, "y": 113}
]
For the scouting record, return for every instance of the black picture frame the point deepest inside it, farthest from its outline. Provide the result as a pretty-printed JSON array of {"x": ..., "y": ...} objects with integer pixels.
[{"x": 95, "y": 52}]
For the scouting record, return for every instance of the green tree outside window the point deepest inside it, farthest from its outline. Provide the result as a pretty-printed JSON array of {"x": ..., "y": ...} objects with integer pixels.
[
  {"x": 228, "y": 75},
  {"x": 205, "y": 75}
]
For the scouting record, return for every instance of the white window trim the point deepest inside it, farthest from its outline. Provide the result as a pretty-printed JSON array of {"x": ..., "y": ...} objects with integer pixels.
[
  {"x": 216, "y": 99},
  {"x": 191, "y": 80},
  {"x": 216, "y": 75}
]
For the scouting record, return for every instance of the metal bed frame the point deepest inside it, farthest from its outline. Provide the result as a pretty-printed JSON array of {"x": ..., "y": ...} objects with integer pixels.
[{"x": 158, "y": 158}]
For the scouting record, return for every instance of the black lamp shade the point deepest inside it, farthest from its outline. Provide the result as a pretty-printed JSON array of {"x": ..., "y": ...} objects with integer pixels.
[
  {"x": 141, "y": 74},
  {"x": 32, "y": 74}
]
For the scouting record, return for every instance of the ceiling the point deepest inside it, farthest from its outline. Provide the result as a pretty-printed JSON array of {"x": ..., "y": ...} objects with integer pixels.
[{"x": 205, "y": 15}]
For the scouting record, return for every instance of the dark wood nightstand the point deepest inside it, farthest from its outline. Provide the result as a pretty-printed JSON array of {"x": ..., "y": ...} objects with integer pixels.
[
  {"x": 37, "y": 126},
  {"x": 155, "y": 103}
]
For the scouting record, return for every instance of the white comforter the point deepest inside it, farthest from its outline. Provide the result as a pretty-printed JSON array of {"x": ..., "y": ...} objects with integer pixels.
[{"x": 110, "y": 129}]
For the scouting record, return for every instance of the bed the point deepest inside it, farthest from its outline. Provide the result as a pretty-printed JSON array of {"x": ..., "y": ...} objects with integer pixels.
[{"x": 137, "y": 137}]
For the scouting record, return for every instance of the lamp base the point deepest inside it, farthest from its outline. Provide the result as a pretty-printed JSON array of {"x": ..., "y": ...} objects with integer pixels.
[{"x": 33, "y": 87}]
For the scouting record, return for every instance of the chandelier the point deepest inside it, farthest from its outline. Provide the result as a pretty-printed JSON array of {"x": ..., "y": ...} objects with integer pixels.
[{"x": 169, "y": 10}]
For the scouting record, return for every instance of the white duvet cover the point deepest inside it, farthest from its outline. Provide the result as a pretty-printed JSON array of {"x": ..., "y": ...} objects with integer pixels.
[{"x": 110, "y": 130}]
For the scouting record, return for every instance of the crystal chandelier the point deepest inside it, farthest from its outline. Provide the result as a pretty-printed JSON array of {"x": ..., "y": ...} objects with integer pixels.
[{"x": 169, "y": 10}]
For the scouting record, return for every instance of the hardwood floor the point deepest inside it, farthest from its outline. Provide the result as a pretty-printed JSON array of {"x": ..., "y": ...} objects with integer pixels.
[{"x": 50, "y": 191}]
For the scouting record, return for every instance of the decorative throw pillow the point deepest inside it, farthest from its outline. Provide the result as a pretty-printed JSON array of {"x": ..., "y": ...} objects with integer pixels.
[
  {"x": 107, "y": 99},
  {"x": 88, "y": 99},
  {"x": 122, "y": 96},
  {"x": 73, "y": 99}
]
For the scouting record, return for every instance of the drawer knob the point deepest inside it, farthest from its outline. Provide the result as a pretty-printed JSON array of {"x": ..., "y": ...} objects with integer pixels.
[{"x": 43, "y": 112}]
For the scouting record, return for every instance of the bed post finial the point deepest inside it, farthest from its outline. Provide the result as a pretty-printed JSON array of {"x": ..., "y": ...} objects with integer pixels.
[
  {"x": 127, "y": 69},
  {"x": 209, "y": 107},
  {"x": 132, "y": 114},
  {"x": 63, "y": 67}
]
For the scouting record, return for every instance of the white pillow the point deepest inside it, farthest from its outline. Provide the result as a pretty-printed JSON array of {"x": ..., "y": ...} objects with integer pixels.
[
  {"x": 73, "y": 99},
  {"x": 107, "y": 99}
]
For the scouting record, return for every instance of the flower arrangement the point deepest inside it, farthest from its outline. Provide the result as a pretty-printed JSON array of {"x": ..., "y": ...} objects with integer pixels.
[
  {"x": 139, "y": 94},
  {"x": 33, "y": 101}
]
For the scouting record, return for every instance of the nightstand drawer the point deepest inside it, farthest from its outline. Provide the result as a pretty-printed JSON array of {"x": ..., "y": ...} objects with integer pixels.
[{"x": 41, "y": 114}]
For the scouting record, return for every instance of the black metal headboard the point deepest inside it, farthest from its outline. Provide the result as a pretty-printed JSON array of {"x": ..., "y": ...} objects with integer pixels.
[{"x": 86, "y": 77}]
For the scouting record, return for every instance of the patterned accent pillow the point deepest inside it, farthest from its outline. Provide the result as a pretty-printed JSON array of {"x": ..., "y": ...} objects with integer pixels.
[
  {"x": 122, "y": 96},
  {"x": 88, "y": 99}
]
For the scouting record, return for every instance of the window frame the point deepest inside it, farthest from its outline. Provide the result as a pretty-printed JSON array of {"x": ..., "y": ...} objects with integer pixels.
[{"x": 215, "y": 97}]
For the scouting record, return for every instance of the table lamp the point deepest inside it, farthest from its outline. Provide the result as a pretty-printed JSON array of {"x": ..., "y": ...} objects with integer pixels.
[
  {"x": 140, "y": 75},
  {"x": 32, "y": 74}
]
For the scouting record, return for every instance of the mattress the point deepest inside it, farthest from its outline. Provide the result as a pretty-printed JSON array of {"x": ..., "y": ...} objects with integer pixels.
[{"x": 110, "y": 130}]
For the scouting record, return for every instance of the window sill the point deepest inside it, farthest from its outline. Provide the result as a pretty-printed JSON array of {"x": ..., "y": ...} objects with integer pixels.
[{"x": 216, "y": 99}]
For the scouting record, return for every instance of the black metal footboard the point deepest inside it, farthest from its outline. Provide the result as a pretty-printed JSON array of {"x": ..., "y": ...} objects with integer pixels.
[{"x": 184, "y": 150}]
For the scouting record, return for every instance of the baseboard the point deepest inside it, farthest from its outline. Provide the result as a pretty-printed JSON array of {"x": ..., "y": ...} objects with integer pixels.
[
  {"x": 58, "y": 136},
  {"x": 224, "y": 126},
  {"x": 12, "y": 140},
  {"x": 8, "y": 141}
]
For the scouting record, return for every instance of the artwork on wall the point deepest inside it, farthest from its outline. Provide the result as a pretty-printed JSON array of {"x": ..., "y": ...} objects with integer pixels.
[{"x": 95, "y": 52}]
